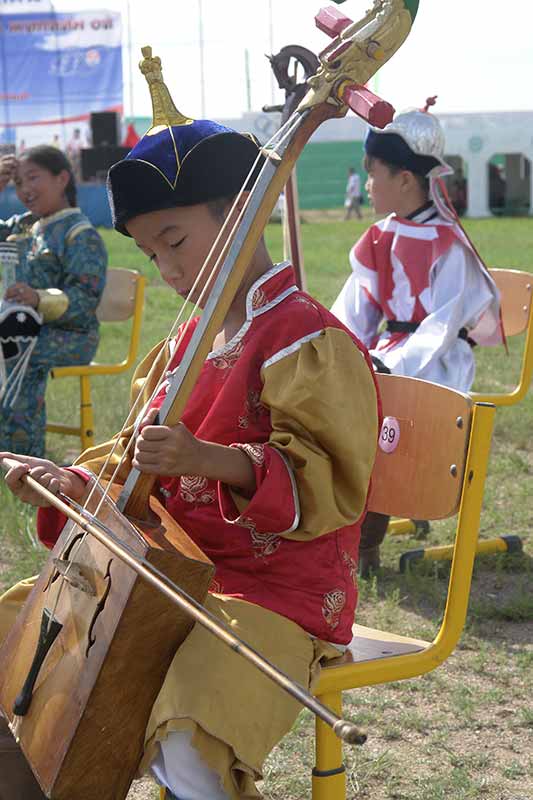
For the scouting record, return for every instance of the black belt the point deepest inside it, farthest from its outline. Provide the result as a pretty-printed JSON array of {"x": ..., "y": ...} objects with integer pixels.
[{"x": 395, "y": 326}]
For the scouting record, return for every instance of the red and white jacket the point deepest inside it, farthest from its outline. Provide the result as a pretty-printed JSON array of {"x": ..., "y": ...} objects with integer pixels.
[{"x": 420, "y": 270}]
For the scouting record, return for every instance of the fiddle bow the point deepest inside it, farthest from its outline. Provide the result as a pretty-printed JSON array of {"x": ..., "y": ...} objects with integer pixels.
[{"x": 82, "y": 650}]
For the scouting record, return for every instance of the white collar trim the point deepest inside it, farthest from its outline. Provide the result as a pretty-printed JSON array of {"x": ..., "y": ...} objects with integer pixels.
[{"x": 255, "y": 312}]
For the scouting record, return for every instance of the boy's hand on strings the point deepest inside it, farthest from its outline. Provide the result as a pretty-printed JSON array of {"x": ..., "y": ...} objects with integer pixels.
[
  {"x": 173, "y": 451},
  {"x": 165, "y": 450},
  {"x": 55, "y": 479}
]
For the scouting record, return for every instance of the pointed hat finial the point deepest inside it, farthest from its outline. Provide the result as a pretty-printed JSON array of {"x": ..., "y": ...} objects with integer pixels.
[{"x": 164, "y": 111}]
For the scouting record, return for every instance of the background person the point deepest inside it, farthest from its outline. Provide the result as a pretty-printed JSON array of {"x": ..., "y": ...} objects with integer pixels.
[
  {"x": 74, "y": 148},
  {"x": 418, "y": 293},
  {"x": 352, "y": 202},
  {"x": 61, "y": 273}
]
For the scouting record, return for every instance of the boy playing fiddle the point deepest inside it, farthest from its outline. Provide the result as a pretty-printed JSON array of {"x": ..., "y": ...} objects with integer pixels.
[{"x": 260, "y": 472}]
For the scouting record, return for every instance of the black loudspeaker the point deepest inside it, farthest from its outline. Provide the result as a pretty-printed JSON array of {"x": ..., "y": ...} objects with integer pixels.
[
  {"x": 95, "y": 161},
  {"x": 105, "y": 128}
]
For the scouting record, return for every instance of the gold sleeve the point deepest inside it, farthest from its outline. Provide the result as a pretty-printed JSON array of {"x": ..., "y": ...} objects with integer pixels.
[
  {"x": 52, "y": 304},
  {"x": 324, "y": 416},
  {"x": 142, "y": 386}
]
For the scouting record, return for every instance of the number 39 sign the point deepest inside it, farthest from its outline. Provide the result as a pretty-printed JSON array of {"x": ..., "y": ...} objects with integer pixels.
[{"x": 389, "y": 436}]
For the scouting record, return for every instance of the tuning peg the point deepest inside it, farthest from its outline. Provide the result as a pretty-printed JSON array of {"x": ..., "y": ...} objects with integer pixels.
[
  {"x": 367, "y": 105},
  {"x": 332, "y": 21}
]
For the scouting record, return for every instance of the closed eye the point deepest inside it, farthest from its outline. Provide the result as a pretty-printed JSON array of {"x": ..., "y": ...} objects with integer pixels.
[{"x": 177, "y": 244}]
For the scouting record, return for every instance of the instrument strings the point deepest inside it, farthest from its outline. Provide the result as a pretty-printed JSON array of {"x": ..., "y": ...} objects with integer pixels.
[{"x": 270, "y": 151}]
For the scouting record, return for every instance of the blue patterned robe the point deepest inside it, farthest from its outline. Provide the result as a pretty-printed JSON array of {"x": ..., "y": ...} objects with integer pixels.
[{"x": 63, "y": 251}]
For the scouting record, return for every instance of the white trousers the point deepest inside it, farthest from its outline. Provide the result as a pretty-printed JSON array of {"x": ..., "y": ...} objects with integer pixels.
[{"x": 178, "y": 767}]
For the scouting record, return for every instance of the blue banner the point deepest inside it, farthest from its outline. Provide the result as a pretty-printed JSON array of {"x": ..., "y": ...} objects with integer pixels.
[{"x": 56, "y": 68}]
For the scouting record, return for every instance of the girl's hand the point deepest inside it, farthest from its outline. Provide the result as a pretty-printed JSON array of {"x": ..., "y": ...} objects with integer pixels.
[
  {"x": 50, "y": 476},
  {"x": 8, "y": 168},
  {"x": 23, "y": 294},
  {"x": 164, "y": 450}
]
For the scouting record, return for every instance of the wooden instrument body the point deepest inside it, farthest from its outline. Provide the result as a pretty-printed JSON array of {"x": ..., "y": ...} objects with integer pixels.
[{"x": 84, "y": 732}]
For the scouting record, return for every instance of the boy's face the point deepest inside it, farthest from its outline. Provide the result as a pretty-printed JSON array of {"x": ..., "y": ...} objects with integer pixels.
[
  {"x": 385, "y": 189},
  {"x": 178, "y": 241}
]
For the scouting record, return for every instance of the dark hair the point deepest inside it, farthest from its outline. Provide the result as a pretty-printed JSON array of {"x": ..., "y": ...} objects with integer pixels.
[
  {"x": 54, "y": 161},
  {"x": 218, "y": 207},
  {"x": 394, "y": 169}
]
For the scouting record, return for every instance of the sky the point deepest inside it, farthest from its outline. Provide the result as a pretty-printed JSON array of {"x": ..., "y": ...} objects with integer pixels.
[{"x": 476, "y": 55}]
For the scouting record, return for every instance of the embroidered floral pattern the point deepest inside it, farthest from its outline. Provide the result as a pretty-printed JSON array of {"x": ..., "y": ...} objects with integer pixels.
[
  {"x": 255, "y": 452},
  {"x": 305, "y": 300},
  {"x": 351, "y": 563},
  {"x": 193, "y": 489},
  {"x": 253, "y": 408},
  {"x": 259, "y": 299},
  {"x": 332, "y": 607},
  {"x": 227, "y": 359},
  {"x": 264, "y": 544}
]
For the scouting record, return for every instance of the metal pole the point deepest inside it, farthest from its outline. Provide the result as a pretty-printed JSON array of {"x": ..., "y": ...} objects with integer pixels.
[
  {"x": 129, "y": 60},
  {"x": 248, "y": 83},
  {"x": 3, "y": 59},
  {"x": 60, "y": 84},
  {"x": 201, "y": 37},
  {"x": 271, "y": 46}
]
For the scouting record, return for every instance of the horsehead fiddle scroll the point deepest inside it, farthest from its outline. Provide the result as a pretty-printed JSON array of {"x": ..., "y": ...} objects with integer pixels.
[
  {"x": 292, "y": 56},
  {"x": 369, "y": 106},
  {"x": 52, "y": 706}
]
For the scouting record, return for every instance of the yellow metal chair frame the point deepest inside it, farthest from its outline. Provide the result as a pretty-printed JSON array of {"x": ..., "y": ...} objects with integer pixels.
[
  {"x": 415, "y": 479},
  {"x": 444, "y": 444},
  {"x": 516, "y": 290},
  {"x": 123, "y": 299}
]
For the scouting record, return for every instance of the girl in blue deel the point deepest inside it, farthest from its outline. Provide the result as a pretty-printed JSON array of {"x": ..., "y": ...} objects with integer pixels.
[{"x": 59, "y": 280}]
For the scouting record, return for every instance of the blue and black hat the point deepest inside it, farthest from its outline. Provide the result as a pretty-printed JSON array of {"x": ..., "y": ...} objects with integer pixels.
[{"x": 179, "y": 161}]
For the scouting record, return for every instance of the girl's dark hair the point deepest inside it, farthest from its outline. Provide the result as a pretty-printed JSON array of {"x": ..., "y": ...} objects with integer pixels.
[
  {"x": 54, "y": 161},
  {"x": 394, "y": 169}
]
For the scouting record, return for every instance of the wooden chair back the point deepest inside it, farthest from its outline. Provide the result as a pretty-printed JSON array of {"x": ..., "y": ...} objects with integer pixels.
[
  {"x": 118, "y": 300},
  {"x": 441, "y": 460},
  {"x": 420, "y": 459},
  {"x": 516, "y": 289}
]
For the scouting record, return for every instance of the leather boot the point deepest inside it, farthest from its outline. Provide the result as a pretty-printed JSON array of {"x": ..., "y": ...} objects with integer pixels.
[
  {"x": 16, "y": 778},
  {"x": 369, "y": 561},
  {"x": 373, "y": 530}
]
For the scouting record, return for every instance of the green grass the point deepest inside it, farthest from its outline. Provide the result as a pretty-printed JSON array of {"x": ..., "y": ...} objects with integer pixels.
[{"x": 465, "y": 730}]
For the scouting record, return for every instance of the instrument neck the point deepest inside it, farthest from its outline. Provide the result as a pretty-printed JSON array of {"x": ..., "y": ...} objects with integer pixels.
[{"x": 245, "y": 228}]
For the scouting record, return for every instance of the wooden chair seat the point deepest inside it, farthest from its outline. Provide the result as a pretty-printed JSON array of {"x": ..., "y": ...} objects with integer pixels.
[{"x": 369, "y": 643}]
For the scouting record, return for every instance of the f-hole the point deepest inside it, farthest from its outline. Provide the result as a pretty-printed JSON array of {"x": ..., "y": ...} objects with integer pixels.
[{"x": 99, "y": 608}]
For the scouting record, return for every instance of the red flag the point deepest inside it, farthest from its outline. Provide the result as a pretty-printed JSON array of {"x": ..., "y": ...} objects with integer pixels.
[{"x": 131, "y": 137}]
